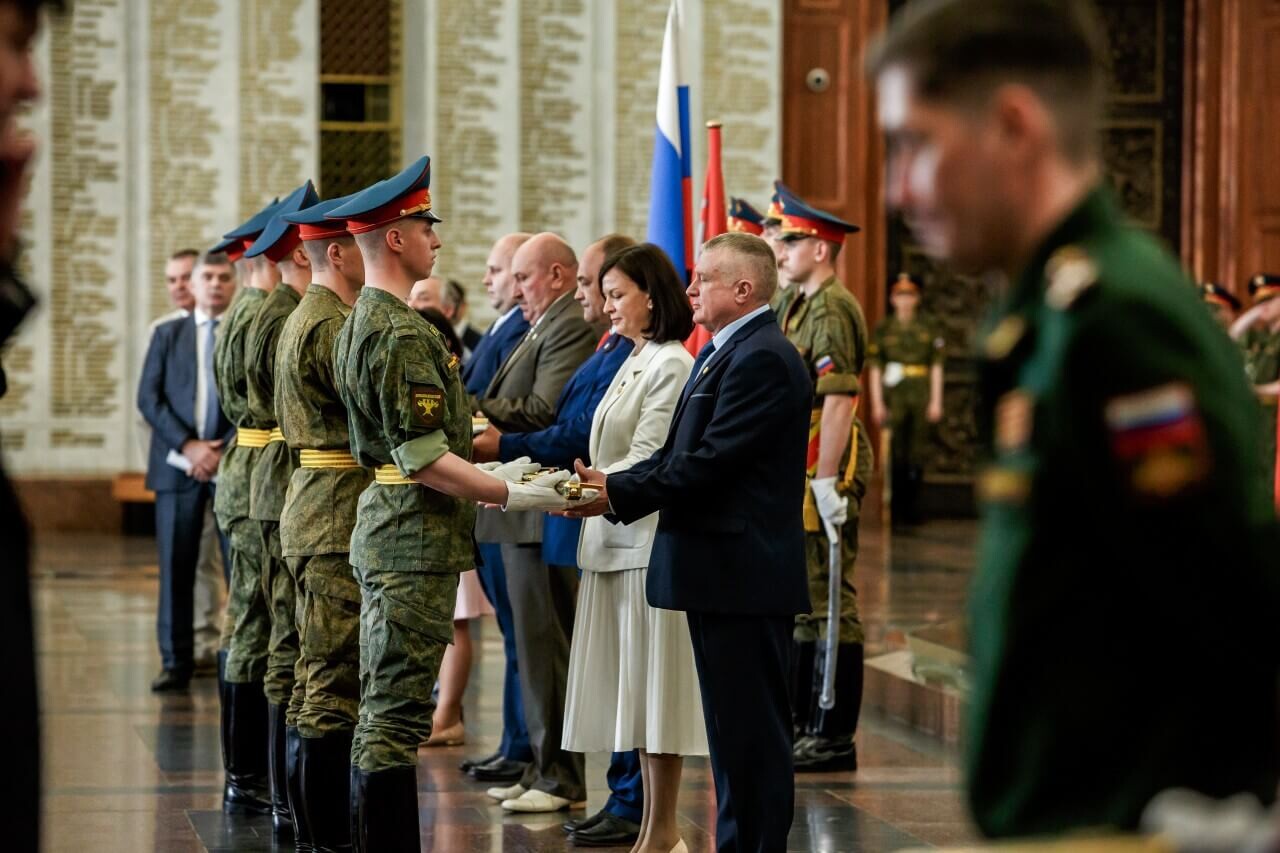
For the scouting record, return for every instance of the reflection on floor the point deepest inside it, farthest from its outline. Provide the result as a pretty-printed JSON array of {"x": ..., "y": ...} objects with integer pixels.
[{"x": 127, "y": 771}]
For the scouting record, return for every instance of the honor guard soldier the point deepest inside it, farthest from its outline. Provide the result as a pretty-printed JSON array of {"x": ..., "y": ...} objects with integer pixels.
[
  {"x": 281, "y": 248},
  {"x": 409, "y": 421},
  {"x": 906, "y": 358},
  {"x": 1121, "y": 617},
  {"x": 247, "y": 623},
  {"x": 745, "y": 218},
  {"x": 1260, "y": 343},
  {"x": 771, "y": 231},
  {"x": 827, "y": 326},
  {"x": 1222, "y": 302},
  {"x": 315, "y": 531}
]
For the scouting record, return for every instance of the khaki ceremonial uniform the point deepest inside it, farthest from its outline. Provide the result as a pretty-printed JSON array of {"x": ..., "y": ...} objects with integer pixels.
[
  {"x": 1262, "y": 365},
  {"x": 267, "y": 487},
  {"x": 246, "y": 628},
  {"x": 406, "y": 408},
  {"x": 829, "y": 330},
  {"x": 319, "y": 514}
]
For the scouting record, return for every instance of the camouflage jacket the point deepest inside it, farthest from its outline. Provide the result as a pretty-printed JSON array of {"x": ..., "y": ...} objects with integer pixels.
[
  {"x": 231, "y": 500},
  {"x": 271, "y": 473}
]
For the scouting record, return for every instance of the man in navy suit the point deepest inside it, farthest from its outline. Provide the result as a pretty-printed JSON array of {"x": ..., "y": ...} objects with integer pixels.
[
  {"x": 730, "y": 543},
  {"x": 559, "y": 445},
  {"x": 179, "y": 398},
  {"x": 514, "y": 752}
]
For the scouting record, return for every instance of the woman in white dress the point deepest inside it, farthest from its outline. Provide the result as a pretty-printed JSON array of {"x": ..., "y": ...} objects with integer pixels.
[{"x": 632, "y": 683}]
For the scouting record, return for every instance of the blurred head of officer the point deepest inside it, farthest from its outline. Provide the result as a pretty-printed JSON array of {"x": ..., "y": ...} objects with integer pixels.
[
  {"x": 590, "y": 290},
  {"x": 990, "y": 110},
  {"x": 177, "y": 278},
  {"x": 499, "y": 283}
]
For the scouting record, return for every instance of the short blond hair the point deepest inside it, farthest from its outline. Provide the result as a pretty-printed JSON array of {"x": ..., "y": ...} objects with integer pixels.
[{"x": 756, "y": 262}]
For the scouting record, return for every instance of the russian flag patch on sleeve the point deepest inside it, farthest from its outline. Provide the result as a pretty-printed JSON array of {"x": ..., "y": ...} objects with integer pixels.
[
  {"x": 824, "y": 365},
  {"x": 1158, "y": 439}
]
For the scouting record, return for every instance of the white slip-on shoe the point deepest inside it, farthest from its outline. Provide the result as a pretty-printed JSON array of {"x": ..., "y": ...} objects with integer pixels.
[
  {"x": 532, "y": 802},
  {"x": 503, "y": 794}
]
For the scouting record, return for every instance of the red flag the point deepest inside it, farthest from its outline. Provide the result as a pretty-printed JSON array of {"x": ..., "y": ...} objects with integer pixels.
[{"x": 714, "y": 221}]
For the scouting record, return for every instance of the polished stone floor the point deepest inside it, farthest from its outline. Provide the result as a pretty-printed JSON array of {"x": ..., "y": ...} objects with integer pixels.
[{"x": 129, "y": 771}]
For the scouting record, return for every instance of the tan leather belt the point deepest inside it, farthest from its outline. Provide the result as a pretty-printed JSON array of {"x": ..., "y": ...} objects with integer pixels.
[
  {"x": 246, "y": 437},
  {"x": 389, "y": 475},
  {"x": 327, "y": 459}
]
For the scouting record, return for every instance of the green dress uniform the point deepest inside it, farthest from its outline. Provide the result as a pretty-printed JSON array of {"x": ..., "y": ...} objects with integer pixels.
[
  {"x": 829, "y": 330},
  {"x": 267, "y": 487},
  {"x": 1261, "y": 349},
  {"x": 406, "y": 408},
  {"x": 247, "y": 624},
  {"x": 320, "y": 512},
  {"x": 1121, "y": 611},
  {"x": 905, "y": 354}
]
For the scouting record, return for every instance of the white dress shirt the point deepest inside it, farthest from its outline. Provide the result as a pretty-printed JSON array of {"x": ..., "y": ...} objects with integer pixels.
[{"x": 202, "y": 357}]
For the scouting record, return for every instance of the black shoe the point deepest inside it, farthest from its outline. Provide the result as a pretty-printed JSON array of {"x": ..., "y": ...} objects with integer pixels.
[
  {"x": 384, "y": 811},
  {"x": 584, "y": 823},
  {"x": 171, "y": 680},
  {"x": 467, "y": 763},
  {"x": 244, "y": 748},
  {"x": 609, "y": 831},
  {"x": 501, "y": 770},
  {"x": 801, "y": 746},
  {"x": 302, "y": 837},
  {"x": 827, "y": 754},
  {"x": 841, "y": 721},
  {"x": 326, "y": 791},
  {"x": 277, "y": 770}
]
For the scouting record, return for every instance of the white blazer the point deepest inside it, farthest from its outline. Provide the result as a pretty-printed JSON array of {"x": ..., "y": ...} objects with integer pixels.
[{"x": 630, "y": 425}]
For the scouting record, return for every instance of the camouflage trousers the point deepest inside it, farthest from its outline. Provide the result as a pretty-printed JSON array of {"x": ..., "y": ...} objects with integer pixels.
[
  {"x": 246, "y": 627},
  {"x": 811, "y": 627},
  {"x": 406, "y": 621},
  {"x": 282, "y": 650},
  {"x": 908, "y": 405},
  {"x": 329, "y": 638}
]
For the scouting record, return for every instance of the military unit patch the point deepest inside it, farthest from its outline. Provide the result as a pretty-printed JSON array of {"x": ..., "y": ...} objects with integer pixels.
[
  {"x": 1158, "y": 437},
  {"x": 427, "y": 403},
  {"x": 824, "y": 365}
]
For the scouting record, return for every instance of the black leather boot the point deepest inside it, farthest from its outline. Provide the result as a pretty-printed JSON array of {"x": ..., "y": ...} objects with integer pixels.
[
  {"x": 801, "y": 686},
  {"x": 384, "y": 809},
  {"x": 281, "y": 820},
  {"x": 326, "y": 791},
  {"x": 830, "y": 745},
  {"x": 244, "y": 748},
  {"x": 303, "y": 839}
]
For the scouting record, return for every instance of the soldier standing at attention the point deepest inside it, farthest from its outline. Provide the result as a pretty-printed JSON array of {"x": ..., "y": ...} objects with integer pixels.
[
  {"x": 1123, "y": 607},
  {"x": 246, "y": 627},
  {"x": 1222, "y": 302},
  {"x": 279, "y": 247},
  {"x": 827, "y": 326},
  {"x": 906, "y": 390},
  {"x": 771, "y": 231},
  {"x": 315, "y": 533},
  {"x": 408, "y": 419},
  {"x": 1258, "y": 334}
]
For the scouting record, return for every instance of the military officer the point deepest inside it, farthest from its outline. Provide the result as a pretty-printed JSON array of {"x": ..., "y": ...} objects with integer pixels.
[
  {"x": 745, "y": 218},
  {"x": 315, "y": 532},
  {"x": 1222, "y": 302},
  {"x": 906, "y": 358},
  {"x": 1125, "y": 590},
  {"x": 1258, "y": 334},
  {"x": 408, "y": 419},
  {"x": 826, "y": 324},
  {"x": 277, "y": 247},
  {"x": 242, "y": 662}
]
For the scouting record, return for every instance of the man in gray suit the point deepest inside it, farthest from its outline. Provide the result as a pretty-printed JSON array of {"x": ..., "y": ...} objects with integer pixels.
[{"x": 522, "y": 398}]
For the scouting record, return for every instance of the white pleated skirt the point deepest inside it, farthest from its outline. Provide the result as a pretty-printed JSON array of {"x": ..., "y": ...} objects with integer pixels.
[{"x": 632, "y": 680}]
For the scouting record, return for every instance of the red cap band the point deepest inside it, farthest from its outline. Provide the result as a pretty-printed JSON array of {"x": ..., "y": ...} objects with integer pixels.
[
  {"x": 745, "y": 226},
  {"x": 811, "y": 228},
  {"x": 322, "y": 230},
  {"x": 237, "y": 249},
  {"x": 284, "y": 247},
  {"x": 415, "y": 201}
]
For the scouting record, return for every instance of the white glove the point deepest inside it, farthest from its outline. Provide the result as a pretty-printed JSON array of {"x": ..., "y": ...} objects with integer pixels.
[
  {"x": 833, "y": 508},
  {"x": 511, "y": 472},
  {"x": 540, "y": 493}
]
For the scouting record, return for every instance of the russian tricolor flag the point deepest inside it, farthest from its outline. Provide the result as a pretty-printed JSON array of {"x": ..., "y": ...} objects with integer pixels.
[{"x": 671, "y": 185}]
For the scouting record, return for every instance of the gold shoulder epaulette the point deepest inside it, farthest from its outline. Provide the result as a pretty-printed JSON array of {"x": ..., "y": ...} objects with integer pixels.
[{"x": 1070, "y": 272}]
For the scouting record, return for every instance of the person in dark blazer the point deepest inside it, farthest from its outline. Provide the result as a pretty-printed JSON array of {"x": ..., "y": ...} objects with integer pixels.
[
  {"x": 179, "y": 399},
  {"x": 729, "y": 548},
  {"x": 507, "y": 763}
]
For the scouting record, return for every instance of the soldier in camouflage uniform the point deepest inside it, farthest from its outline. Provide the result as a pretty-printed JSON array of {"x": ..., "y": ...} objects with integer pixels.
[
  {"x": 279, "y": 247},
  {"x": 242, "y": 662},
  {"x": 315, "y": 532},
  {"x": 827, "y": 326},
  {"x": 1259, "y": 338},
  {"x": 771, "y": 232},
  {"x": 1222, "y": 302},
  {"x": 409, "y": 420},
  {"x": 906, "y": 358}
]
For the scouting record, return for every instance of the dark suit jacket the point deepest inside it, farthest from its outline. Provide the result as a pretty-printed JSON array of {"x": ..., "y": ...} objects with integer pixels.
[
  {"x": 487, "y": 356},
  {"x": 167, "y": 399},
  {"x": 729, "y": 483}
]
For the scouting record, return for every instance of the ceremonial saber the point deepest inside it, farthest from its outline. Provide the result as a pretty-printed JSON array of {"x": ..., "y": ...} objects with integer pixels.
[{"x": 827, "y": 699}]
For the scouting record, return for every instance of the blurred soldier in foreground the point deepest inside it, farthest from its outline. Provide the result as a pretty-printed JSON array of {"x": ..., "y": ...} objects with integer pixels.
[{"x": 1125, "y": 589}]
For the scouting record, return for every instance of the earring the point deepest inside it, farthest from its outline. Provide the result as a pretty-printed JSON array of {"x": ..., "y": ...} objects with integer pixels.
[{"x": 650, "y": 304}]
